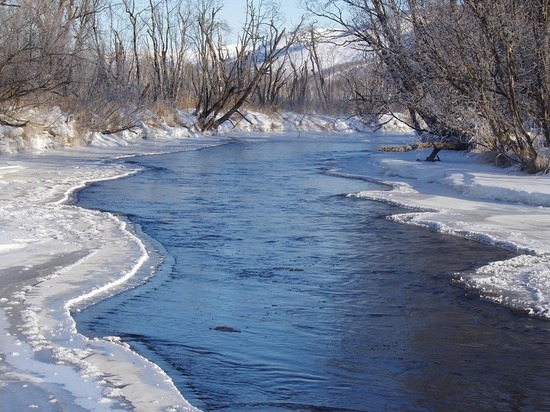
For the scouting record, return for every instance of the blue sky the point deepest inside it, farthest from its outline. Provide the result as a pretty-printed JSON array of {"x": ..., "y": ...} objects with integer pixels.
[{"x": 234, "y": 12}]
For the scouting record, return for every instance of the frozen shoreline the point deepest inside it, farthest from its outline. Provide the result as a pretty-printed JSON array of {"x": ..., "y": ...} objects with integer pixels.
[
  {"x": 53, "y": 255},
  {"x": 461, "y": 196}
]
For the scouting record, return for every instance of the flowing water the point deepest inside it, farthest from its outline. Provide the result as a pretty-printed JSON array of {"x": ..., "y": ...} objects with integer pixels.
[{"x": 280, "y": 293}]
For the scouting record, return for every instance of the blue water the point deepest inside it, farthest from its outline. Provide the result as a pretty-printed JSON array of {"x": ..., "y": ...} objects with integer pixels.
[{"x": 280, "y": 293}]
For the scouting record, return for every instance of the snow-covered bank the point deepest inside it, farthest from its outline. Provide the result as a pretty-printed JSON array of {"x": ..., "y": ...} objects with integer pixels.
[
  {"x": 462, "y": 196},
  {"x": 54, "y": 256},
  {"x": 53, "y": 129}
]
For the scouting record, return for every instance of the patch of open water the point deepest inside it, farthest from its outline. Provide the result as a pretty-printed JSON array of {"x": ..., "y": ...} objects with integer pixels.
[{"x": 280, "y": 293}]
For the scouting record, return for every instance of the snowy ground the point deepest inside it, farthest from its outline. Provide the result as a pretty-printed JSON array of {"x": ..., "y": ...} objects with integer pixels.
[
  {"x": 54, "y": 256},
  {"x": 462, "y": 196}
]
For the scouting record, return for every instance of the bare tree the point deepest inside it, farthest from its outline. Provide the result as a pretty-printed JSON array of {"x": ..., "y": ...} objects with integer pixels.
[
  {"x": 134, "y": 18},
  {"x": 382, "y": 26},
  {"x": 43, "y": 42},
  {"x": 461, "y": 67},
  {"x": 167, "y": 26},
  {"x": 483, "y": 56},
  {"x": 227, "y": 77}
]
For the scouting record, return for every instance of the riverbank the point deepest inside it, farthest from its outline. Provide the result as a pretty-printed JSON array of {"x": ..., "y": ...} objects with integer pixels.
[
  {"x": 463, "y": 196},
  {"x": 53, "y": 255}
]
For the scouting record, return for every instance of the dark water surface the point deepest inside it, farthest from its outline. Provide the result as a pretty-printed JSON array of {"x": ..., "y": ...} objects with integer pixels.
[{"x": 280, "y": 293}]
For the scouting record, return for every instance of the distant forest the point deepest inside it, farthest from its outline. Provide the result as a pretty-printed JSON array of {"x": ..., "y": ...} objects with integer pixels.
[{"x": 462, "y": 72}]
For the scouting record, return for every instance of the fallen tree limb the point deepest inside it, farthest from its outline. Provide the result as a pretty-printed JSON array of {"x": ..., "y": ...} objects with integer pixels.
[
  {"x": 9, "y": 121},
  {"x": 120, "y": 129},
  {"x": 425, "y": 145}
]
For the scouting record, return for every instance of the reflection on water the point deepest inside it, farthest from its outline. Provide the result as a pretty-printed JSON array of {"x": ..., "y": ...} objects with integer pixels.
[{"x": 280, "y": 293}]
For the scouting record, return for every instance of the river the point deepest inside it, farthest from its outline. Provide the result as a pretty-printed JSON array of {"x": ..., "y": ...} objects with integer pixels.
[{"x": 280, "y": 293}]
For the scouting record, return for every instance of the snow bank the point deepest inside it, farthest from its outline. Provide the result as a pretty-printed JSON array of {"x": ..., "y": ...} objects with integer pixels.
[
  {"x": 290, "y": 122},
  {"x": 55, "y": 129},
  {"x": 43, "y": 130},
  {"x": 463, "y": 197},
  {"x": 55, "y": 257}
]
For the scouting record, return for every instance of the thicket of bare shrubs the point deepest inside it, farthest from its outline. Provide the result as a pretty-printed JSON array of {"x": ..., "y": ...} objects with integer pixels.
[{"x": 464, "y": 71}]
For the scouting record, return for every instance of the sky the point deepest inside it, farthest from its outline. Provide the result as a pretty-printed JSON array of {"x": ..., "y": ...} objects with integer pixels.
[{"x": 234, "y": 12}]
